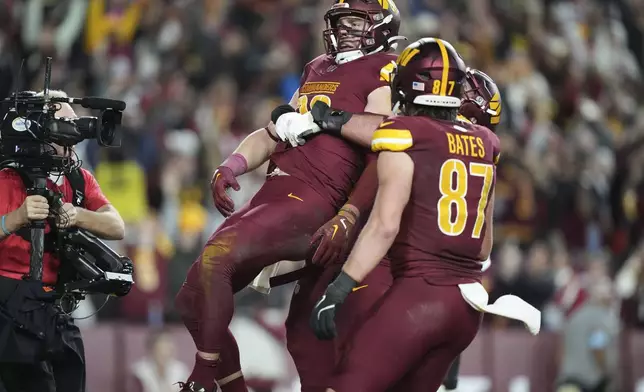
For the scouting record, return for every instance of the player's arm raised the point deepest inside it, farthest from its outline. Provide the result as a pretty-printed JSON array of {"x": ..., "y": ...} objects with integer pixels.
[{"x": 251, "y": 153}]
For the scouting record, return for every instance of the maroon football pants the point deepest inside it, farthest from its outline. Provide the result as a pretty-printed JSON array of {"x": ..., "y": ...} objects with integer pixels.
[
  {"x": 275, "y": 225},
  {"x": 409, "y": 341},
  {"x": 315, "y": 359}
]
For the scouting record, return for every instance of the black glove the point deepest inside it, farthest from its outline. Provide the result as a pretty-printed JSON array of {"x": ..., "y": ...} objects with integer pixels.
[
  {"x": 329, "y": 119},
  {"x": 323, "y": 316},
  {"x": 278, "y": 111}
]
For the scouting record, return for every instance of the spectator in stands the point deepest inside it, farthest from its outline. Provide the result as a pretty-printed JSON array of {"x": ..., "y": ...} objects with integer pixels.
[
  {"x": 158, "y": 371},
  {"x": 590, "y": 343}
]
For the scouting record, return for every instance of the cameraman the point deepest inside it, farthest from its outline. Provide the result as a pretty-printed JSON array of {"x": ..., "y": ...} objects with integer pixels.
[{"x": 40, "y": 347}]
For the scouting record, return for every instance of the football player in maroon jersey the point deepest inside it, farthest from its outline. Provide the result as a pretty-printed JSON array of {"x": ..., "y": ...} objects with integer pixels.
[
  {"x": 481, "y": 100},
  {"x": 305, "y": 186},
  {"x": 432, "y": 217},
  {"x": 481, "y": 104}
]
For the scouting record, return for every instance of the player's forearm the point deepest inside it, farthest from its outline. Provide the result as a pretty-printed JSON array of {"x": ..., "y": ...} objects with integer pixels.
[
  {"x": 364, "y": 193},
  {"x": 13, "y": 221},
  {"x": 359, "y": 129},
  {"x": 372, "y": 245},
  {"x": 106, "y": 223},
  {"x": 256, "y": 148}
]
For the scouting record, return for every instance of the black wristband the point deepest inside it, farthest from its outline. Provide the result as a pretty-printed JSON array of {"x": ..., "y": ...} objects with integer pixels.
[
  {"x": 329, "y": 119},
  {"x": 278, "y": 111},
  {"x": 344, "y": 283}
]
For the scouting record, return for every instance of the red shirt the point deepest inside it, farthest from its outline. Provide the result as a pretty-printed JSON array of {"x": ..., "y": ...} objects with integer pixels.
[{"x": 14, "y": 250}]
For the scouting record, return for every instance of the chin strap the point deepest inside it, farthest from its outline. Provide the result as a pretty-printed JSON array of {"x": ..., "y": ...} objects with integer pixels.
[{"x": 345, "y": 57}]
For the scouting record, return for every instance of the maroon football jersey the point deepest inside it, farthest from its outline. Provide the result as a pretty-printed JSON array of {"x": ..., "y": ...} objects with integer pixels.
[
  {"x": 329, "y": 164},
  {"x": 443, "y": 224}
]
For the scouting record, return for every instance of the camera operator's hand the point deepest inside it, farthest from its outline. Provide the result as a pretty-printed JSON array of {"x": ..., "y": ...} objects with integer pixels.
[
  {"x": 66, "y": 216},
  {"x": 35, "y": 207}
]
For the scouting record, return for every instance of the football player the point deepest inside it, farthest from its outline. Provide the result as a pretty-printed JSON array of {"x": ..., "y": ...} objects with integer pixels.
[
  {"x": 432, "y": 214},
  {"x": 305, "y": 186},
  {"x": 481, "y": 104},
  {"x": 332, "y": 241}
]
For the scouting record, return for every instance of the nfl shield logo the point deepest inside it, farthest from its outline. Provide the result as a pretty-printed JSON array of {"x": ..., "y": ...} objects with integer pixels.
[{"x": 418, "y": 86}]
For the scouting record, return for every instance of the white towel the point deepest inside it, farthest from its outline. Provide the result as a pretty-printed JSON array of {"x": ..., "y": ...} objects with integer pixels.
[
  {"x": 509, "y": 306},
  {"x": 262, "y": 284}
]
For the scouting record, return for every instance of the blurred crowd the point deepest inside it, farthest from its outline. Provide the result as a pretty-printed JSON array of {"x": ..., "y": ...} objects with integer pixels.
[{"x": 199, "y": 75}]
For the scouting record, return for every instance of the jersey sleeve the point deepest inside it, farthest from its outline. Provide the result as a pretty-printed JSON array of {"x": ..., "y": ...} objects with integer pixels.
[
  {"x": 391, "y": 135},
  {"x": 305, "y": 74},
  {"x": 94, "y": 197}
]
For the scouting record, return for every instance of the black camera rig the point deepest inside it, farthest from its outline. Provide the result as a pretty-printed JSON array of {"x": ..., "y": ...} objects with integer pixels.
[{"x": 30, "y": 133}]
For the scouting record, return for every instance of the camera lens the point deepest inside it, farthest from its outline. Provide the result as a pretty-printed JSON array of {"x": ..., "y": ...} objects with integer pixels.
[
  {"x": 109, "y": 120},
  {"x": 86, "y": 126}
]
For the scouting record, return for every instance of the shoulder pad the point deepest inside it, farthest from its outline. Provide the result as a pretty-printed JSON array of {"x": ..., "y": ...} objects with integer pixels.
[{"x": 391, "y": 135}]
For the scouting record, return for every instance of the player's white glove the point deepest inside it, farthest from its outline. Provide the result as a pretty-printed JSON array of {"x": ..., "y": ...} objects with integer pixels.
[{"x": 291, "y": 126}]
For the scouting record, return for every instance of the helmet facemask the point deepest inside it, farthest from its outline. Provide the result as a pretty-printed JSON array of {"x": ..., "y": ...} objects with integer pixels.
[
  {"x": 347, "y": 31},
  {"x": 475, "y": 93}
]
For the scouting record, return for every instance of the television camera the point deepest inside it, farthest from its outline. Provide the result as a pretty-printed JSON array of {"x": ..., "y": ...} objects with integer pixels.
[{"x": 29, "y": 134}]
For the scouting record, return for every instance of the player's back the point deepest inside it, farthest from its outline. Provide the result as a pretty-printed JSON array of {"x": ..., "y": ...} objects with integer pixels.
[
  {"x": 330, "y": 164},
  {"x": 443, "y": 225}
]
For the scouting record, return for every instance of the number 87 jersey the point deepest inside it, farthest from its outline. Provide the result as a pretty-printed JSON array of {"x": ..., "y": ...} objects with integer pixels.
[{"x": 444, "y": 229}]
